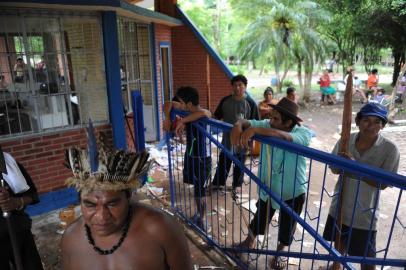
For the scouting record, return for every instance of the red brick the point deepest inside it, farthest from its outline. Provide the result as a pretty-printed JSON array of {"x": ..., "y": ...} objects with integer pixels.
[
  {"x": 30, "y": 140},
  {"x": 42, "y": 143},
  {"x": 33, "y": 151},
  {"x": 60, "y": 140},
  {"x": 11, "y": 143},
  {"x": 53, "y": 136}
]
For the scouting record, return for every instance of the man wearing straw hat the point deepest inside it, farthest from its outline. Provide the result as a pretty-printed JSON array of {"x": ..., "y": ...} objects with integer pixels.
[
  {"x": 115, "y": 233},
  {"x": 284, "y": 172}
]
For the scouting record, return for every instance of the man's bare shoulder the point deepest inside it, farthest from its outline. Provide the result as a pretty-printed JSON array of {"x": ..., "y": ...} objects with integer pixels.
[
  {"x": 71, "y": 233},
  {"x": 153, "y": 220},
  {"x": 160, "y": 228}
]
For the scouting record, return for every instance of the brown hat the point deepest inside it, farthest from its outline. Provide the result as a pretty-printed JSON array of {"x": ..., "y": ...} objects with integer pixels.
[{"x": 288, "y": 108}]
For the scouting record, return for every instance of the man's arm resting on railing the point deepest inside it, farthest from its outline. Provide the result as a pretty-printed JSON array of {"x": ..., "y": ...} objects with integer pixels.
[
  {"x": 193, "y": 116},
  {"x": 237, "y": 130},
  {"x": 270, "y": 132}
]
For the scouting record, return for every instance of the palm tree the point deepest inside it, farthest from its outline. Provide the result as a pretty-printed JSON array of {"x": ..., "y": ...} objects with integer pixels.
[{"x": 287, "y": 29}]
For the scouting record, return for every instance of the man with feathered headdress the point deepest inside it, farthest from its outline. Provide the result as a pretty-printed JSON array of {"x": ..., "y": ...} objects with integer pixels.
[{"x": 115, "y": 233}]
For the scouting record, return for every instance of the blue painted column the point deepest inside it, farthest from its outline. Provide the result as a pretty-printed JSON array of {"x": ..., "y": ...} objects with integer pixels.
[
  {"x": 138, "y": 118},
  {"x": 113, "y": 81}
]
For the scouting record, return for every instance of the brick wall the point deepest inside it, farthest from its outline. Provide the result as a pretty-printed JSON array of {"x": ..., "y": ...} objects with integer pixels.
[
  {"x": 192, "y": 65},
  {"x": 43, "y": 156}
]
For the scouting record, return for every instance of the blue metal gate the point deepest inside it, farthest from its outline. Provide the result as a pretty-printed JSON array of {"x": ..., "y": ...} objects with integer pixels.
[{"x": 228, "y": 214}]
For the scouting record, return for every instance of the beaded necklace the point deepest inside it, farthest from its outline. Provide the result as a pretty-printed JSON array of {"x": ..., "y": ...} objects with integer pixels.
[{"x": 120, "y": 241}]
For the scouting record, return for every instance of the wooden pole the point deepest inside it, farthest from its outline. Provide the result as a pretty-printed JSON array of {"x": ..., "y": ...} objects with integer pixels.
[
  {"x": 344, "y": 148},
  {"x": 208, "y": 82}
]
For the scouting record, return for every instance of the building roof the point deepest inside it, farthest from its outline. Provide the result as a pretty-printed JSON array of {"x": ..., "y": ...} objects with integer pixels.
[{"x": 121, "y": 7}]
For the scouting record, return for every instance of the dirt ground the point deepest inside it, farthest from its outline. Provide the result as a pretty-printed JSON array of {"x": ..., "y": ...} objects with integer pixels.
[{"x": 324, "y": 120}]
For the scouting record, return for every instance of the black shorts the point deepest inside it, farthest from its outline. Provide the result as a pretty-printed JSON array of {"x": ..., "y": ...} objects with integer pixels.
[
  {"x": 359, "y": 244},
  {"x": 197, "y": 171},
  {"x": 287, "y": 225}
]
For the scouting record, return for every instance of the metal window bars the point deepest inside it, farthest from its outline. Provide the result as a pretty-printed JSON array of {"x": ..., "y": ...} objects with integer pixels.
[
  {"x": 227, "y": 217},
  {"x": 43, "y": 91},
  {"x": 135, "y": 60}
]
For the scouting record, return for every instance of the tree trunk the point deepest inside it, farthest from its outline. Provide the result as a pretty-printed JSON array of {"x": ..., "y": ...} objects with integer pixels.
[
  {"x": 278, "y": 77},
  {"x": 299, "y": 74},
  {"x": 307, "y": 86},
  {"x": 399, "y": 56},
  {"x": 261, "y": 70}
]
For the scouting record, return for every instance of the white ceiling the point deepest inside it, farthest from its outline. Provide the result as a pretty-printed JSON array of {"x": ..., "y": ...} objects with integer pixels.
[{"x": 146, "y": 4}]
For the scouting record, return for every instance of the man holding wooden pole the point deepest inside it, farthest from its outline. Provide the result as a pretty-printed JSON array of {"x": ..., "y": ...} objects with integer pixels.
[{"x": 358, "y": 231}]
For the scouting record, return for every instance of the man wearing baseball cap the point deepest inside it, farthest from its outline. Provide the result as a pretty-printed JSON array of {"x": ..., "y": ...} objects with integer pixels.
[
  {"x": 284, "y": 172},
  {"x": 370, "y": 147}
]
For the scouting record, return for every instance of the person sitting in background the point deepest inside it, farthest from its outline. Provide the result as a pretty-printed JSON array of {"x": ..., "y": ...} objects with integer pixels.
[
  {"x": 380, "y": 95},
  {"x": 265, "y": 108},
  {"x": 356, "y": 85},
  {"x": 19, "y": 70},
  {"x": 400, "y": 93},
  {"x": 327, "y": 91},
  {"x": 372, "y": 82},
  {"x": 291, "y": 94}
]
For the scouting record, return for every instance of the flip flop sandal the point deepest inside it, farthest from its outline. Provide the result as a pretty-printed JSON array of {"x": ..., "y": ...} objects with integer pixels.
[{"x": 279, "y": 263}]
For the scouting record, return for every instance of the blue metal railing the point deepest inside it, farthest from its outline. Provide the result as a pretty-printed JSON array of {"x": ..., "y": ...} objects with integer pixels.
[{"x": 227, "y": 215}]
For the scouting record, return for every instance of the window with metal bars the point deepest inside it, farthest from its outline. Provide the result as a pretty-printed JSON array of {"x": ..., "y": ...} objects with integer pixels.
[
  {"x": 135, "y": 60},
  {"x": 51, "y": 71}
]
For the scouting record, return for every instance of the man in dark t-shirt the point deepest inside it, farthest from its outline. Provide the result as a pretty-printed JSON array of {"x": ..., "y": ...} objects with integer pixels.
[
  {"x": 232, "y": 108},
  {"x": 197, "y": 159}
]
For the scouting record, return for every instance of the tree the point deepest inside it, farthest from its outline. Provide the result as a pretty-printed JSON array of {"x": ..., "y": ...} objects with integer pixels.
[
  {"x": 369, "y": 26},
  {"x": 383, "y": 26},
  {"x": 342, "y": 28},
  {"x": 216, "y": 22},
  {"x": 287, "y": 31}
]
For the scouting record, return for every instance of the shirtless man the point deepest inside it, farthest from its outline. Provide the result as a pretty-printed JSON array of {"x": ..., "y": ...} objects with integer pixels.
[{"x": 115, "y": 233}]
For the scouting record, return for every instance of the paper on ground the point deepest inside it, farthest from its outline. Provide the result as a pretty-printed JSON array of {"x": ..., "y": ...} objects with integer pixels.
[
  {"x": 155, "y": 190},
  {"x": 250, "y": 206},
  {"x": 221, "y": 211},
  {"x": 317, "y": 204}
]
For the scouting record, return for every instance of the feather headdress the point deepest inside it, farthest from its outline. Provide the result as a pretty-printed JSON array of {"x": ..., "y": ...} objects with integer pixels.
[{"x": 104, "y": 168}]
